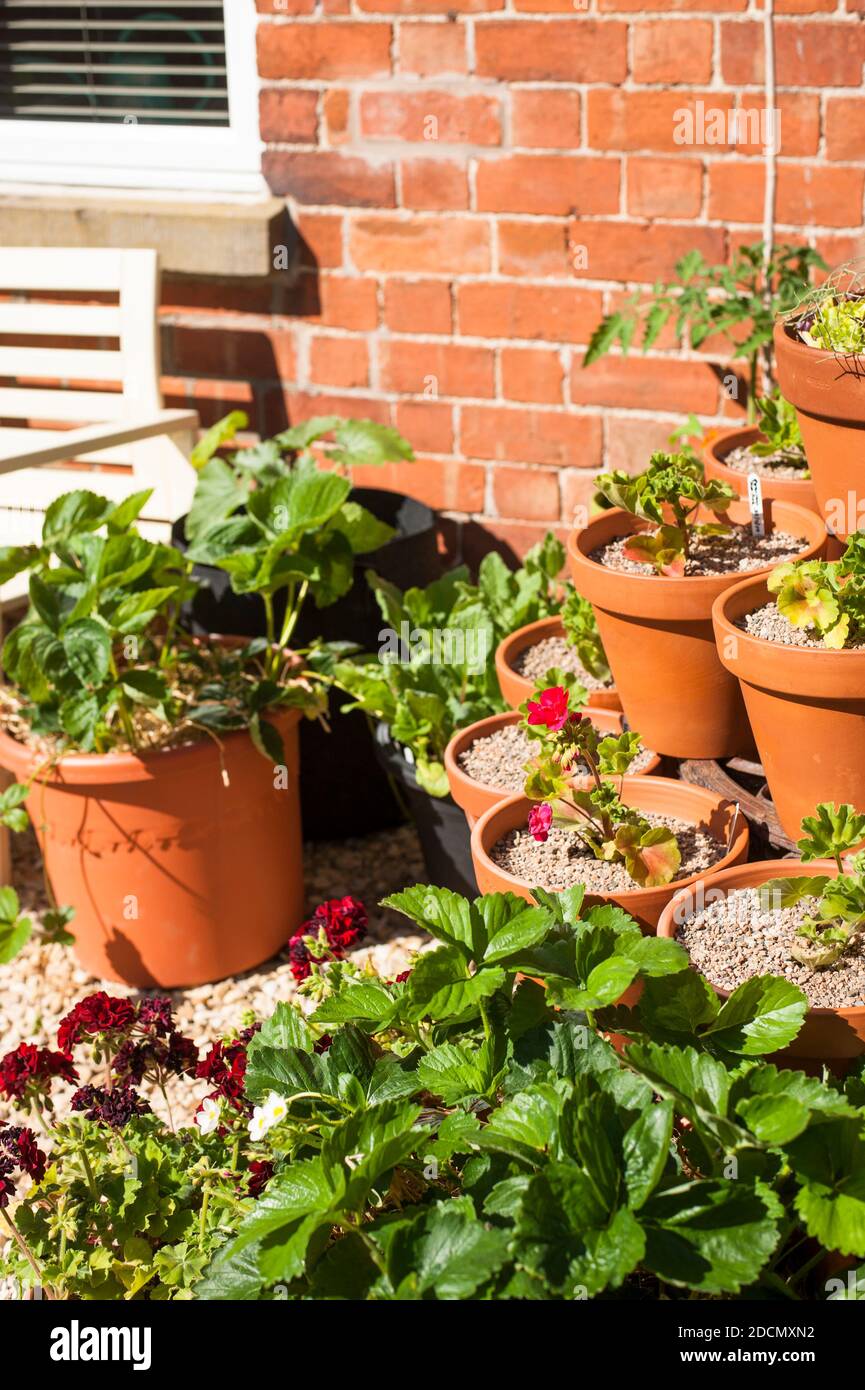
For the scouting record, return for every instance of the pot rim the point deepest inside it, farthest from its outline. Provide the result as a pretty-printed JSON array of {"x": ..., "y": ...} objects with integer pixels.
[
  {"x": 464, "y": 737},
  {"x": 700, "y": 795},
  {"x": 666, "y": 926},
  {"x": 804, "y": 350},
  {"x": 96, "y": 768},
  {"x": 757, "y": 645},
  {"x": 579, "y": 546},
  {"x": 527, "y": 636}
]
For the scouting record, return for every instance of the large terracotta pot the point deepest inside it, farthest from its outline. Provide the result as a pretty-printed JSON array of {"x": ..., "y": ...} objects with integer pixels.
[
  {"x": 657, "y": 633},
  {"x": 716, "y": 449},
  {"x": 476, "y": 797},
  {"x": 827, "y": 1034},
  {"x": 177, "y": 876},
  {"x": 806, "y": 706},
  {"x": 828, "y": 392},
  {"x": 662, "y": 795},
  {"x": 516, "y": 688}
]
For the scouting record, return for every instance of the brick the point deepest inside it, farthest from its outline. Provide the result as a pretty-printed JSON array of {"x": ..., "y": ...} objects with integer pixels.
[
  {"x": 619, "y": 120},
  {"x": 548, "y": 184},
  {"x": 429, "y": 425},
  {"x": 336, "y": 113},
  {"x": 321, "y": 238},
  {"x": 431, "y": 184},
  {"x": 644, "y": 383},
  {"x": 667, "y": 339},
  {"x": 545, "y": 118},
  {"x": 632, "y": 440},
  {"x": 560, "y": 50},
  {"x": 432, "y": 117},
  {"x": 431, "y": 7},
  {"x": 420, "y": 244},
  {"x": 325, "y": 177},
  {"x": 577, "y": 487},
  {"x": 303, "y": 405},
  {"x": 807, "y": 195},
  {"x": 532, "y": 374},
  {"x": 336, "y": 6},
  {"x": 845, "y": 127},
  {"x": 442, "y": 483},
  {"x": 518, "y": 435},
  {"x": 436, "y": 369},
  {"x": 664, "y": 187},
  {"x": 432, "y": 50},
  {"x": 212, "y": 399},
  {"x": 511, "y": 539},
  {"x": 232, "y": 352},
  {"x": 288, "y": 116},
  {"x": 807, "y": 6},
  {"x": 220, "y": 297},
  {"x": 285, "y": 7},
  {"x": 533, "y": 248},
  {"x": 806, "y": 55},
  {"x": 618, "y": 251},
  {"x": 335, "y": 301},
  {"x": 836, "y": 250},
  {"x": 420, "y": 306},
  {"x": 557, "y": 314},
  {"x": 526, "y": 494},
  {"x": 635, "y": 6},
  {"x": 672, "y": 51},
  {"x": 323, "y": 51},
  {"x": 339, "y": 362}
]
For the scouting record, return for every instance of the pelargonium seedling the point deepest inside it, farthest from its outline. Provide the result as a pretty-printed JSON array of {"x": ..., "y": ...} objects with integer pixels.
[
  {"x": 669, "y": 493},
  {"x": 614, "y": 832},
  {"x": 825, "y": 596},
  {"x": 839, "y": 917}
]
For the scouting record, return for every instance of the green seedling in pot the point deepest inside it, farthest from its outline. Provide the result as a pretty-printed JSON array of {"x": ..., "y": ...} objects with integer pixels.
[
  {"x": 581, "y": 632},
  {"x": 825, "y": 596},
  {"x": 668, "y": 493},
  {"x": 780, "y": 425},
  {"x": 837, "y": 323},
  {"x": 614, "y": 832},
  {"x": 839, "y": 917}
]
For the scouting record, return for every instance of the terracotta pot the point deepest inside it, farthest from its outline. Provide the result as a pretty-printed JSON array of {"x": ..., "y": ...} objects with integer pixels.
[
  {"x": 806, "y": 706},
  {"x": 657, "y": 632},
  {"x": 827, "y": 1034},
  {"x": 476, "y": 797},
  {"x": 516, "y": 688},
  {"x": 662, "y": 795},
  {"x": 829, "y": 395},
  {"x": 176, "y": 878},
  {"x": 716, "y": 449}
]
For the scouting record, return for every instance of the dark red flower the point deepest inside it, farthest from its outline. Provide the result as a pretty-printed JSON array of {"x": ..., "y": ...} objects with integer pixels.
[
  {"x": 260, "y": 1174},
  {"x": 30, "y": 1156},
  {"x": 98, "y": 1013},
  {"x": 225, "y": 1068},
  {"x": 7, "y": 1186},
  {"x": 540, "y": 820},
  {"x": 299, "y": 956},
  {"x": 156, "y": 1015},
  {"x": 114, "y": 1106},
  {"x": 344, "y": 922},
  {"x": 30, "y": 1070},
  {"x": 402, "y": 977},
  {"x": 19, "y": 1150},
  {"x": 551, "y": 709},
  {"x": 181, "y": 1056},
  {"x": 323, "y": 1043}
]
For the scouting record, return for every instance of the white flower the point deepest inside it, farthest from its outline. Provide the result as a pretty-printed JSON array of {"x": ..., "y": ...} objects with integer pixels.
[
  {"x": 207, "y": 1117},
  {"x": 264, "y": 1117}
]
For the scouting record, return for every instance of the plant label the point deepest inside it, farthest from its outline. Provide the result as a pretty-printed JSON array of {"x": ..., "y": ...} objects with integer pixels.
[{"x": 755, "y": 502}]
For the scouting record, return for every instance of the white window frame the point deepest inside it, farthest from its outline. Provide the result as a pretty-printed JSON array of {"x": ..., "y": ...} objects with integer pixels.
[{"x": 121, "y": 155}]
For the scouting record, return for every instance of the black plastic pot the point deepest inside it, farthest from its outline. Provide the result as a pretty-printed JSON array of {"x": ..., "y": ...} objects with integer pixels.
[
  {"x": 441, "y": 825},
  {"x": 343, "y": 789}
]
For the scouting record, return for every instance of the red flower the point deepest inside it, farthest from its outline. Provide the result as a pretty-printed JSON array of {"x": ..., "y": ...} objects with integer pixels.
[
  {"x": 114, "y": 1106},
  {"x": 551, "y": 709},
  {"x": 155, "y": 1014},
  {"x": 32, "y": 1069},
  {"x": 323, "y": 1043},
  {"x": 225, "y": 1068},
  {"x": 98, "y": 1013},
  {"x": 540, "y": 820},
  {"x": 260, "y": 1174},
  {"x": 18, "y": 1149},
  {"x": 344, "y": 921},
  {"x": 401, "y": 978}
]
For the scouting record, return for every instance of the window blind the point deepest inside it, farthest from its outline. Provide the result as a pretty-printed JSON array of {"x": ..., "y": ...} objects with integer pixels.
[{"x": 127, "y": 62}]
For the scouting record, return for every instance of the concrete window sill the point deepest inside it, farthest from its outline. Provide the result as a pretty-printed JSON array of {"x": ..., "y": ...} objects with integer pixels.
[{"x": 195, "y": 236}]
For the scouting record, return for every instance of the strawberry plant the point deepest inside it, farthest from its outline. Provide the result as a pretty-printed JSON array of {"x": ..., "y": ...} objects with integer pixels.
[
  {"x": 825, "y": 596},
  {"x": 614, "y": 832},
  {"x": 839, "y": 916},
  {"x": 581, "y": 632},
  {"x": 668, "y": 493},
  {"x": 779, "y": 424}
]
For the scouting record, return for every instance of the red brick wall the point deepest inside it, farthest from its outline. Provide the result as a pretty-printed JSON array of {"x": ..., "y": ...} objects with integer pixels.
[{"x": 444, "y": 159}]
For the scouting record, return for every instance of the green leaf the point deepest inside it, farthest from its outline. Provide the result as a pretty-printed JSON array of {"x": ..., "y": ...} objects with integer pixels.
[
  {"x": 829, "y": 1163},
  {"x": 219, "y": 492},
  {"x": 72, "y": 513},
  {"x": 367, "y": 1000},
  {"x": 526, "y": 929},
  {"x": 448, "y": 1252},
  {"x": 763, "y": 1015},
  {"x": 88, "y": 651},
  {"x": 711, "y": 1236},
  {"x": 79, "y": 716},
  {"x": 286, "y": 1027},
  {"x": 645, "y": 1150},
  {"x": 286, "y": 1070},
  {"x": 136, "y": 611},
  {"x": 375, "y": 1141},
  {"x": 439, "y": 988},
  {"x": 444, "y": 914},
  {"x": 680, "y": 1003},
  {"x": 530, "y": 1117},
  {"x": 453, "y": 1073},
  {"x": 218, "y": 434},
  {"x": 367, "y": 443},
  {"x": 363, "y": 531}
]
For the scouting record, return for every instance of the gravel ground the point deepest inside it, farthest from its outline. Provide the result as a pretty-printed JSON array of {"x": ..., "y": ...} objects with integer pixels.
[
  {"x": 734, "y": 939},
  {"x": 743, "y": 460},
  {"x": 561, "y": 861},
  {"x": 736, "y": 554},
  {"x": 498, "y": 759},
  {"x": 536, "y": 661},
  {"x": 770, "y": 625},
  {"x": 43, "y": 982}
]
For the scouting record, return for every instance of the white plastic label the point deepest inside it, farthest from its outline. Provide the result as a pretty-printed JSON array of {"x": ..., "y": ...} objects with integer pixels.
[{"x": 755, "y": 502}]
